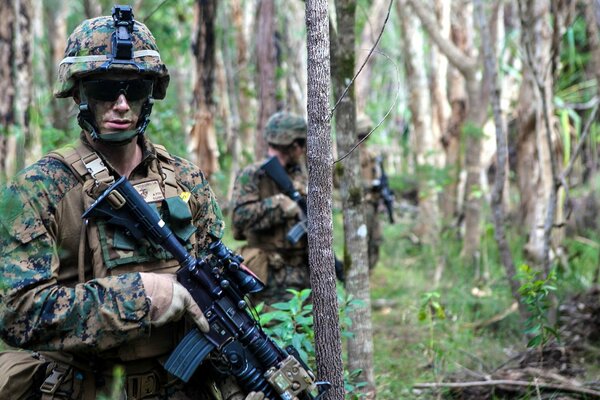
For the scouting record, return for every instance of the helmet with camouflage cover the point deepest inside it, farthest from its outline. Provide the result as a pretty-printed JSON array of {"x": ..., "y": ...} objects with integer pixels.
[
  {"x": 283, "y": 128},
  {"x": 90, "y": 50},
  {"x": 106, "y": 45},
  {"x": 364, "y": 124}
]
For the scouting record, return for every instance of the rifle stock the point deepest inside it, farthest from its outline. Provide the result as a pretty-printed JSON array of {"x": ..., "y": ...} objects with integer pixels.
[{"x": 218, "y": 284}]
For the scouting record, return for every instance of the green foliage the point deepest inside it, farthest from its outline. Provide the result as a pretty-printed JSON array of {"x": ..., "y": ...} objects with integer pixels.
[
  {"x": 535, "y": 292},
  {"x": 291, "y": 322},
  {"x": 117, "y": 386},
  {"x": 430, "y": 311}
]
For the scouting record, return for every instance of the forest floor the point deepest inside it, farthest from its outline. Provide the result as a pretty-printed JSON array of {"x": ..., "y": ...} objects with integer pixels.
[{"x": 477, "y": 336}]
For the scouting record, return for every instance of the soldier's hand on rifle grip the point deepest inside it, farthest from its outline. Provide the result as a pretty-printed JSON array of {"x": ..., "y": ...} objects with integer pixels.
[
  {"x": 169, "y": 301},
  {"x": 290, "y": 208},
  {"x": 256, "y": 396}
]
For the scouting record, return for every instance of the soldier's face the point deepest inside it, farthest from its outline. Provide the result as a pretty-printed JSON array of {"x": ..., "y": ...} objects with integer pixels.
[
  {"x": 116, "y": 101},
  {"x": 298, "y": 152}
]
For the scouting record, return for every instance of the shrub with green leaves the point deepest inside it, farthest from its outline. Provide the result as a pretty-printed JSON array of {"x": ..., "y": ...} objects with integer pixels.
[{"x": 535, "y": 294}]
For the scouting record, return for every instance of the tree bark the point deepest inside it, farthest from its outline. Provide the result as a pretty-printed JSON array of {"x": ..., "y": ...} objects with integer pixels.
[
  {"x": 244, "y": 88},
  {"x": 56, "y": 31},
  {"x": 477, "y": 89},
  {"x": 497, "y": 205},
  {"x": 293, "y": 62},
  {"x": 533, "y": 152},
  {"x": 356, "y": 258},
  {"x": 440, "y": 106},
  {"x": 93, "y": 8},
  {"x": 266, "y": 64},
  {"x": 203, "y": 141},
  {"x": 375, "y": 18},
  {"x": 328, "y": 344},
  {"x": 16, "y": 83},
  {"x": 427, "y": 225}
]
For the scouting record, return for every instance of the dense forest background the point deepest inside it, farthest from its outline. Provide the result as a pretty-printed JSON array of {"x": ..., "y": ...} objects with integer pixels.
[{"x": 485, "y": 113}]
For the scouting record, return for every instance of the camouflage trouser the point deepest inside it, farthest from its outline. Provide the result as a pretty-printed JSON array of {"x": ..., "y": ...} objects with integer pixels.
[{"x": 375, "y": 236}]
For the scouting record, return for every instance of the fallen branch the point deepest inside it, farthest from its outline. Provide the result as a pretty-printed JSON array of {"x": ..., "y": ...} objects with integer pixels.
[
  {"x": 506, "y": 382},
  {"x": 496, "y": 318}
]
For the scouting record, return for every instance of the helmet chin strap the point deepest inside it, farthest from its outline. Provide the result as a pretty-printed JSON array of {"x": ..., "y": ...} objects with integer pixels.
[{"x": 87, "y": 121}]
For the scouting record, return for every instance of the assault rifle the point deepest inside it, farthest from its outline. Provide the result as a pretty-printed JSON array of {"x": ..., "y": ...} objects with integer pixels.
[
  {"x": 277, "y": 173},
  {"x": 387, "y": 195},
  {"x": 218, "y": 283}
]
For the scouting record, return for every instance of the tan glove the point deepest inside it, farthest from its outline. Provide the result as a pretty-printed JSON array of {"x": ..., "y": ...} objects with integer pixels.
[
  {"x": 256, "y": 396},
  {"x": 169, "y": 301},
  {"x": 290, "y": 208}
]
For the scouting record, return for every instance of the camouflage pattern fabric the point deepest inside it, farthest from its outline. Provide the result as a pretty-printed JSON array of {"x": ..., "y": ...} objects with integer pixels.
[
  {"x": 89, "y": 48},
  {"x": 283, "y": 128},
  {"x": 259, "y": 218},
  {"x": 42, "y": 304}
]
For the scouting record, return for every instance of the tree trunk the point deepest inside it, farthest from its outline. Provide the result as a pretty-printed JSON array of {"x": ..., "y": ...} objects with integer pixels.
[
  {"x": 328, "y": 343},
  {"x": 266, "y": 62},
  {"x": 203, "y": 141},
  {"x": 244, "y": 88},
  {"x": 16, "y": 83},
  {"x": 477, "y": 89},
  {"x": 93, "y": 8},
  {"x": 56, "y": 33},
  {"x": 294, "y": 61},
  {"x": 356, "y": 257},
  {"x": 534, "y": 155},
  {"x": 375, "y": 18},
  {"x": 426, "y": 228},
  {"x": 496, "y": 204},
  {"x": 440, "y": 106},
  {"x": 452, "y": 136}
]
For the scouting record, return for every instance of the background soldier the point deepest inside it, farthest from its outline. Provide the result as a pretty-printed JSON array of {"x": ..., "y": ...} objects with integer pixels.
[
  {"x": 263, "y": 215},
  {"x": 87, "y": 296},
  {"x": 371, "y": 175}
]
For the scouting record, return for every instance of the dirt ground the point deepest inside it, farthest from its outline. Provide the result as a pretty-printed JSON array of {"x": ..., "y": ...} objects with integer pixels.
[{"x": 559, "y": 371}]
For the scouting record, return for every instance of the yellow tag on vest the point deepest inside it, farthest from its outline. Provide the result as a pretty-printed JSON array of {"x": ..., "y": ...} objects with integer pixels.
[
  {"x": 150, "y": 191},
  {"x": 185, "y": 196}
]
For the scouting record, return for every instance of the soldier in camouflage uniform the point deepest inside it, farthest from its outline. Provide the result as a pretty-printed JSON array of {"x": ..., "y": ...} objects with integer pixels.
[
  {"x": 370, "y": 174},
  {"x": 86, "y": 297},
  {"x": 263, "y": 215}
]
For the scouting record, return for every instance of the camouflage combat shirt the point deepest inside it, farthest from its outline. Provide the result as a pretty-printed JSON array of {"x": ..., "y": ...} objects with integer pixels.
[
  {"x": 257, "y": 216},
  {"x": 43, "y": 306}
]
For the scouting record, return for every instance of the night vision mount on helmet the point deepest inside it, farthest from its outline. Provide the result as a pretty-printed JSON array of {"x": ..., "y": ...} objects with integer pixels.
[{"x": 111, "y": 44}]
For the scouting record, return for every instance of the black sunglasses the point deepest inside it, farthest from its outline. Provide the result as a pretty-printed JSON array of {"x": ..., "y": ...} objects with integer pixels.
[{"x": 110, "y": 90}]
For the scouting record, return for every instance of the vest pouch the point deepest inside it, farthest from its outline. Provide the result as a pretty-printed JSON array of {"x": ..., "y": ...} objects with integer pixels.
[
  {"x": 258, "y": 260},
  {"x": 177, "y": 215},
  {"x": 20, "y": 372}
]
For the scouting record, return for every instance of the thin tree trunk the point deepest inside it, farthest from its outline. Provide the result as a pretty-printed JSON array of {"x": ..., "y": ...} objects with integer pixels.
[
  {"x": 356, "y": 258},
  {"x": 536, "y": 193},
  {"x": 427, "y": 226},
  {"x": 477, "y": 89},
  {"x": 242, "y": 79},
  {"x": 497, "y": 204},
  {"x": 56, "y": 32},
  {"x": 266, "y": 62},
  {"x": 16, "y": 82},
  {"x": 294, "y": 61},
  {"x": 92, "y": 8},
  {"x": 375, "y": 18},
  {"x": 328, "y": 342},
  {"x": 202, "y": 136},
  {"x": 440, "y": 107}
]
